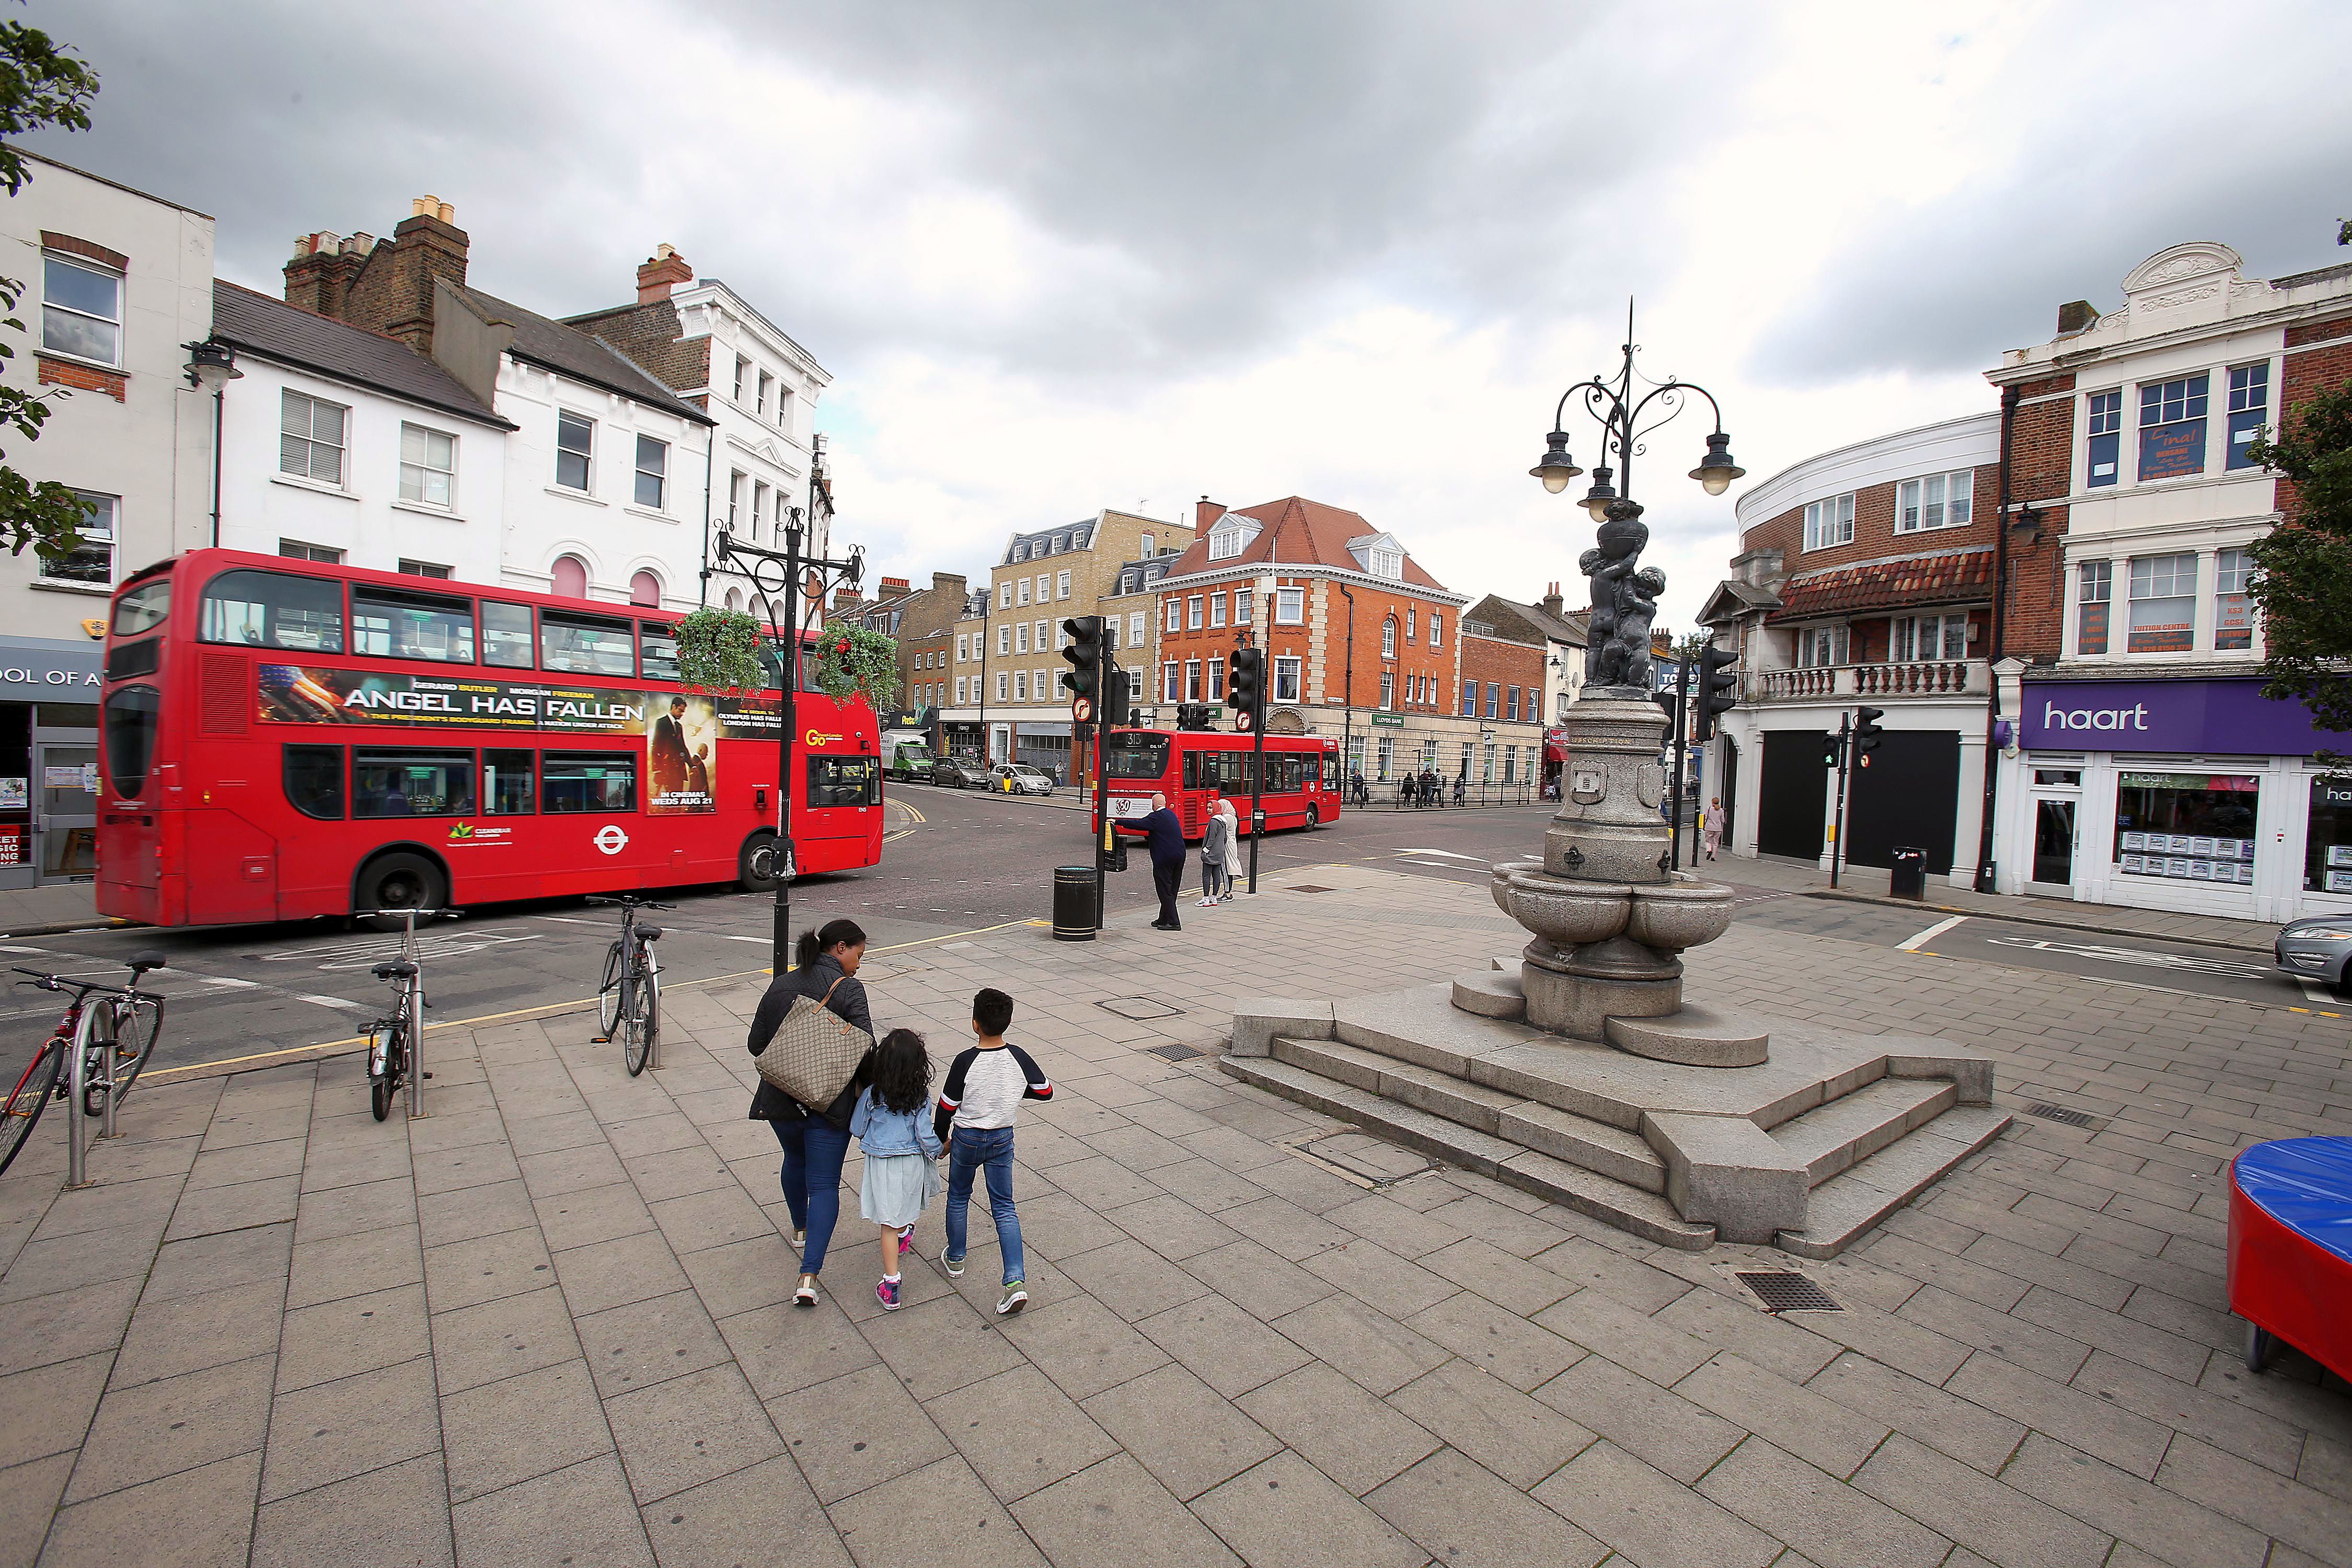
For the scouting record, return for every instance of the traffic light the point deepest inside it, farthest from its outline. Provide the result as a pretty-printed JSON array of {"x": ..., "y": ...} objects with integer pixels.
[
  {"x": 1195, "y": 716},
  {"x": 1117, "y": 710},
  {"x": 1246, "y": 693},
  {"x": 1832, "y": 749},
  {"x": 1718, "y": 688},
  {"x": 1085, "y": 653},
  {"x": 1866, "y": 731}
]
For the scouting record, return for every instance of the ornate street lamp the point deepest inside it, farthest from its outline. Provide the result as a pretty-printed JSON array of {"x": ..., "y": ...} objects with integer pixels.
[{"x": 790, "y": 573}]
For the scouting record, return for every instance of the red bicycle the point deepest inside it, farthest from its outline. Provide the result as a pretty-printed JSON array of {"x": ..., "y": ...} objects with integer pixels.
[{"x": 116, "y": 1035}]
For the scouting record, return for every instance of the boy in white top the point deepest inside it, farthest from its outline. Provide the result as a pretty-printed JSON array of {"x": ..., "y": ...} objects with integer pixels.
[{"x": 984, "y": 1089}]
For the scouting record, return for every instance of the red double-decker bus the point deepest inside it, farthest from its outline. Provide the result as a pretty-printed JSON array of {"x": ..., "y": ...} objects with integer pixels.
[
  {"x": 1188, "y": 767},
  {"x": 284, "y": 739}
]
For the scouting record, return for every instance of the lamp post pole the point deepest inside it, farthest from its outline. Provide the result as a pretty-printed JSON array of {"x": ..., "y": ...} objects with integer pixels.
[{"x": 794, "y": 568}]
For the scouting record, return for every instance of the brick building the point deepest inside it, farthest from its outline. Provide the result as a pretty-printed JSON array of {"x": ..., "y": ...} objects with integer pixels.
[
  {"x": 1007, "y": 660},
  {"x": 923, "y": 621},
  {"x": 1363, "y": 643},
  {"x": 2143, "y": 765},
  {"x": 1503, "y": 690}
]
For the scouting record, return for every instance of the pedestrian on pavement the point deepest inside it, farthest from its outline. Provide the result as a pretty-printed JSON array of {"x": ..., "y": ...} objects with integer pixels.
[
  {"x": 1165, "y": 837},
  {"x": 985, "y": 1087},
  {"x": 1710, "y": 825},
  {"x": 814, "y": 1139},
  {"x": 1428, "y": 794},
  {"x": 1214, "y": 840},
  {"x": 895, "y": 1134},
  {"x": 1233, "y": 846},
  {"x": 1356, "y": 790}
]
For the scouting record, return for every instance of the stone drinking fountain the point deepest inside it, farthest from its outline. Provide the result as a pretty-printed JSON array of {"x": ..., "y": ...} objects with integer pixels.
[{"x": 1577, "y": 1070}]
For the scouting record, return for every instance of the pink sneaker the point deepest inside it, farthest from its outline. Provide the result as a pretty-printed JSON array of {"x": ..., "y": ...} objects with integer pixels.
[
  {"x": 887, "y": 1292},
  {"x": 906, "y": 1241}
]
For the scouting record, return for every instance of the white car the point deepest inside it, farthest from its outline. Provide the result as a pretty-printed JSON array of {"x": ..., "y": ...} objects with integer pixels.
[{"x": 1017, "y": 778}]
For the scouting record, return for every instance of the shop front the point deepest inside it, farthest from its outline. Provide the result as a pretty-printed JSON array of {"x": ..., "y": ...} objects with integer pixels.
[
  {"x": 2193, "y": 795},
  {"x": 48, "y": 762}
]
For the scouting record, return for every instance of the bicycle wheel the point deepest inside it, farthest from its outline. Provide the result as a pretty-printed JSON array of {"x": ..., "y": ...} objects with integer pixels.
[
  {"x": 381, "y": 1086},
  {"x": 27, "y": 1101},
  {"x": 608, "y": 993},
  {"x": 643, "y": 1026},
  {"x": 134, "y": 1029}
]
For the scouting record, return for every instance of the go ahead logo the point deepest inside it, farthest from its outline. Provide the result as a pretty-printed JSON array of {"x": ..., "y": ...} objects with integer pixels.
[{"x": 611, "y": 840}]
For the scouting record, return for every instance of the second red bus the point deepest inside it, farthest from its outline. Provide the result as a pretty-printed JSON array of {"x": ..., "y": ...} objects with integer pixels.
[{"x": 1302, "y": 776}]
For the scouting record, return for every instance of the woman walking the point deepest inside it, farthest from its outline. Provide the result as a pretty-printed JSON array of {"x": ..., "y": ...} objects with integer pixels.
[
  {"x": 1710, "y": 825},
  {"x": 1226, "y": 815},
  {"x": 814, "y": 1139},
  {"x": 1215, "y": 836}
]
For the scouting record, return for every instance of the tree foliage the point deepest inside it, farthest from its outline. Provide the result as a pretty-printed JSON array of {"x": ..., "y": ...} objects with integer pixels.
[
  {"x": 2303, "y": 579},
  {"x": 40, "y": 85}
]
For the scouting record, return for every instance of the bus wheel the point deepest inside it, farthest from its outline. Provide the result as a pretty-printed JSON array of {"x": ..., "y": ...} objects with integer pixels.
[
  {"x": 401, "y": 881},
  {"x": 1313, "y": 817},
  {"x": 752, "y": 864}
]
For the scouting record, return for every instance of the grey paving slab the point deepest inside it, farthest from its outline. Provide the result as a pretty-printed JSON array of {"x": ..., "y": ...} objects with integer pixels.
[
  {"x": 1820, "y": 1431},
  {"x": 50, "y": 1407},
  {"x": 1019, "y": 1432},
  {"x": 397, "y": 1515},
  {"x": 569, "y": 1518},
  {"x": 1833, "y": 1524},
  {"x": 1648, "y": 1518},
  {"x": 649, "y": 1341},
  {"x": 686, "y": 1430},
  {"x": 2152, "y": 1518},
  {"x": 158, "y": 1429},
  {"x": 1222, "y": 1345},
  {"x": 485, "y": 1268},
  {"x": 1115, "y": 1512},
  {"x": 332, "y": 1431},
  {"x": 216, "y": 1262},
  {"x": 939, "y": 1513},
  {"x": 784, "y": 1349},
  {"x": 1999, "y": 1523},
  {"x": 588, "y": 1215},
  {"x": 1179, "y": 1429},
  {"x": 499, "y": 1339},
  {"x": 765, "y": 1514},
  {"x": 855, "y": 1432},
  {"x": 1508, "y": 1433},
  {"x": 1340, "y": 1428},
  {"x": 354, "y": 1335},
  {"x": 355, "y": 1265},
  {"x": 529, "y": 1424},
  {"x": 1082, "y": 1345},
  {"x": 28, "y": 1500},
  {"x": 1654, "y": 1425},
  {"x": 1370, "y": 1347},
  {"x": 201, "y": 1516},
  {"x": 67, "y": 1324},
  {"x": 1457, "y": 1511},
  {"x": 1286, "y": 1510}
]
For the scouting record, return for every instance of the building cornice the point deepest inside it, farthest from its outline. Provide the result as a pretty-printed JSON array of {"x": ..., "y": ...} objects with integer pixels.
[
  {"x": 1250, "y": 572},
  {"x": 2074, "y": 360}
]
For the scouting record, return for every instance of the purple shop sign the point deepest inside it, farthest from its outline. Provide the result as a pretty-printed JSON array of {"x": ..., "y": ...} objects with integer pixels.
[{"x": 2213, "y": 717}]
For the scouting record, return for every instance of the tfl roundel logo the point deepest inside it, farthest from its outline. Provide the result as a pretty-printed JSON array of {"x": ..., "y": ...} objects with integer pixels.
[{"x": 611, "y": 840}]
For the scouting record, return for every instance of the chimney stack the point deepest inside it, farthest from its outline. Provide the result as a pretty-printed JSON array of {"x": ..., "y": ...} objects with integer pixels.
[
  {"x": 382, "y": 286},
  {"x": 2074, "y": 317},
  {"x": 1204, "y": 516},
  {"x": 663, "y": 271},
  {"x": 1551, "y": 600},
  {"x": 893, "y": 586}
]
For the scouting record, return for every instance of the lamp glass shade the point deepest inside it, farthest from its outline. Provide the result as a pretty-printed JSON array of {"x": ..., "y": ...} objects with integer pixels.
[
  {"x": 1599, "y": 507},
  {"x": 1716, "y": 470},
  {"x": 1555, "y": 479},
  {"x": 1715, "y": 481},
  {"x": 1557, "y": 467}
]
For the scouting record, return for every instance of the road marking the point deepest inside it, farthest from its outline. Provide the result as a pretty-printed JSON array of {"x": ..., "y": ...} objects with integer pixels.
[
  {"x": 1930, "y": 935},
  {"x": 359, "y": 954},
  {"x": 333, "y": 1002},
  {"x": 1447, "y": 853},
  {"x": 2138, "y": 959},
  {"x": 231, "y": 982},
  {"x": 2313, "y": 991},
  {"x": 41, "y": 950},
  {"x": 575, "y": 920}
]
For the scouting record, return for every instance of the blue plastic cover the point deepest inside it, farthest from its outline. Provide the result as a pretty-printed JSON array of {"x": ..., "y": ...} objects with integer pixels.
[{"x": 2305, "y": 1185}]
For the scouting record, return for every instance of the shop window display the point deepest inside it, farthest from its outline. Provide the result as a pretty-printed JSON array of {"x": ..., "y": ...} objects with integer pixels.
[
  {"x": 2197, "y": 827},
  {"x": 2327, "y": 858}
]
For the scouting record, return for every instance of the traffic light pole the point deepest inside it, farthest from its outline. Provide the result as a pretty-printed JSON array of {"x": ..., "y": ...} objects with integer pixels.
[
  {"x": 1845, "y": 762},
  {"x": 1682, "y": 727},
  {"x": 1257, "y": 781}
]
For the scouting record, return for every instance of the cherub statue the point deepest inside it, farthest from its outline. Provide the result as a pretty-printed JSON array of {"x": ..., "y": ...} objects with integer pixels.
[{"x": 1624, "y": 601}]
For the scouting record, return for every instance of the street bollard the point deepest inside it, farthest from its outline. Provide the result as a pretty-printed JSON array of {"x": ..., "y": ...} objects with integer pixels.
[{"x": 417, "y": 1044}]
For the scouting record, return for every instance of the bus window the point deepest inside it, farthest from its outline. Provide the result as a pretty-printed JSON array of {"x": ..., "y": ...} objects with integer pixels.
[
  {"x": 657, "y": 648},
  {"x": 506, "y": 634},
  {"x": 273, "y": 609},
  {"x": 1138, "y": 756},
  {"x": 1192, "y": 770},
  {"x": 584, "y": 644},
  {"x": 142, "y": 608},
  {"x": 507, "y": 786},
  {"x": 588, "y": 780},
  {"x": 314, "y": 780},
  {"x": 395, "y": 623},
  {"x": 130, "y": 715},
  {"x": 844, "y": 781},
  {"x": 411, "y": 784}
]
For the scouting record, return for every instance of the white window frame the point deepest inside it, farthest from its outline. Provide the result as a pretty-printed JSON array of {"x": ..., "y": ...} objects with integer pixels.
[
  {"x": 1437, "y": 628},
  {"x": 1005, "y": 595},
  {"x": 962, "y": 642},
  {"x": 1061, "y": 585},
  {"x": 961, "y": 690},
  {"x": 1003, "y": 641},
  {"x": 2163, "y": 585},
  {"x": 1244, "y": 605},
  {"x": 1823, "y": 647},
  {"x": 1216, "y": 611},
  {"x": 1175, "y": 615},
  {"x": 1225, "y": 543},
  {"x": 1387, "y": 690},
  {"x": 1193, "y": 614},
  {"x": 660, "y": 474},
  {"x": 1909, "y": 636},
  {"x": 1044, "y": 586},
  {"x": 1388, "y": 637},
  {"x": 1000, "y": 686},
  {"x": 1216, "y": 680},
  {"x": 309, "y": 443},
  {"x": 96, "y": 269},
  {"x": 99, "y": 533},
  {"x": 1021, "y": 593},
  {"x": 1388, "y": 563},
  {"x": 1019, "y": 686},
  {"x": 1041, "y": 687},
  {"x": 587, "y": 485},
  {"x": 2232, "y": 564},
  {"x": 1936, "y": 500},
  {"x": 1135, "y": 632},
  {"x": 1171, "y": 672},
  {"x": 1192, "y": 681},
  {"x": 1290, "y": 606},
  {"x": 1828, "y": 521},
  {"x": 422, "y": 466},
  {"x": 1288, "y": 670}
]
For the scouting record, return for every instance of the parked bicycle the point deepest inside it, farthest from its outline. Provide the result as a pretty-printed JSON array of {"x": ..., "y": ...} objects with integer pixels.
[
  {"x": 99, "y": 1046},
  {"x": 395, "y": 1056},
  {"x": 629, "y": 1001}
]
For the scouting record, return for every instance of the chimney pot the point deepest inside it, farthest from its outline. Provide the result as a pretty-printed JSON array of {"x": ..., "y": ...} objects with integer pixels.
[
  {"x": 445, "y": 213},
  {"x": 423, "y": 206}
]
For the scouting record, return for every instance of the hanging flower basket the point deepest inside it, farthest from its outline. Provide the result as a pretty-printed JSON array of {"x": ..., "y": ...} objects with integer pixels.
[
  {"x": 720, "y": 649},
  {"x": 854, "y": 659}
]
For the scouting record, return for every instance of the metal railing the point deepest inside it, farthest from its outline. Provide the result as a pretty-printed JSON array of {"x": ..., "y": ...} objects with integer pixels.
[{"x": 1924, "y": 678}]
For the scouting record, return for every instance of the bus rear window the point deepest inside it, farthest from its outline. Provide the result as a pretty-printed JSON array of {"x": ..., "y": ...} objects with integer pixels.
[
  {"x": 583, "y": 645},
  {"x": 391, "y": 622},
  {"x": 143, "y": 609},
  {"x": 588, "y": 780},
  {"x": 273, "y": 609},
  {"x": 1138, "y": 756},
  {"x": 130, "y": 716}
]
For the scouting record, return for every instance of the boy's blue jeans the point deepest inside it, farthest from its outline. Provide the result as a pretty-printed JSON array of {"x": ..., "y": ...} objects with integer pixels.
[{"x": 989, "y": 1149}]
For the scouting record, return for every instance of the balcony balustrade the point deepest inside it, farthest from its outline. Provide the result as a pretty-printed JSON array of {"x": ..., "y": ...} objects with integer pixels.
[{"x": 1925, "y": 678}]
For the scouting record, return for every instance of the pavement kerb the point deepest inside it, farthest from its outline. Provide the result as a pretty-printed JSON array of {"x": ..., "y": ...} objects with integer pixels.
[
  {"x": 62, "y": 927},
  {"x": 1841, "y": 895}
]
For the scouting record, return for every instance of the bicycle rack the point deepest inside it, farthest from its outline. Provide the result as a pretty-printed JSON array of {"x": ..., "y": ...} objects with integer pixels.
[
  {"x": 416, "y": 1111},
  {"x": 77, "y": 1093}
]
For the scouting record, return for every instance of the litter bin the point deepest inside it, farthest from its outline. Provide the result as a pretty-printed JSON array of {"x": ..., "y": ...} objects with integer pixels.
[
  {"x": 1073, "y": 903},
  {"x": 1909, "y": 876}
]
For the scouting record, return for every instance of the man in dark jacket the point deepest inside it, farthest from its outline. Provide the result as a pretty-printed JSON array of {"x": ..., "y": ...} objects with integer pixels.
[{"x": 1165, "y": 835}]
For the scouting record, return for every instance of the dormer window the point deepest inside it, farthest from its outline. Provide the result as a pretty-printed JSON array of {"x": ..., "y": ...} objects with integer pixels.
[
  {"x": 1020, "y": 553},
  {"x": 1388, "y": 563},
  {"x": 1225, "y": 543},
  {"x": 1061, "y": 542}
]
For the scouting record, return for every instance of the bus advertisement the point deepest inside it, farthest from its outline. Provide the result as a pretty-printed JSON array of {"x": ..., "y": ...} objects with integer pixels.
[
  {"x": 1188, "y": 766},
  {"x": 288, "y": 739}
]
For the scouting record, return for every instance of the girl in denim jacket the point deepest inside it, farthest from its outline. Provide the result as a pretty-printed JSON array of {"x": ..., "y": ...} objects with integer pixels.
[{"x": 894, "y": 1130}]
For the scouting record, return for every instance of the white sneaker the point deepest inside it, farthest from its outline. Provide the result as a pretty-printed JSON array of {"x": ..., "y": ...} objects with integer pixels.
[{"x": 1207, "y": 902}]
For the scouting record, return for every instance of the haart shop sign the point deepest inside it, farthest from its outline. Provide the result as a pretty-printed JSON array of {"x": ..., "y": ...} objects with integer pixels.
[{"x": 2229, "y": 717}]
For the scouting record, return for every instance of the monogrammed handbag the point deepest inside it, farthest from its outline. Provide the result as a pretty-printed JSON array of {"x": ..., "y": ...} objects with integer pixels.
[{"x": 815, "y": 1052}]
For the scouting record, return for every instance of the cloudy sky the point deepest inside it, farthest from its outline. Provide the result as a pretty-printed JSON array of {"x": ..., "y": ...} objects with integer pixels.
[{"x": 1059, "y": 256}]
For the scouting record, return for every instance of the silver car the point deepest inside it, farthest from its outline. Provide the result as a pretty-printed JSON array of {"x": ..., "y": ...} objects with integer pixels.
[
  {"x": 2317, "y": 947},
  {"x": 1018, "y": 778}
]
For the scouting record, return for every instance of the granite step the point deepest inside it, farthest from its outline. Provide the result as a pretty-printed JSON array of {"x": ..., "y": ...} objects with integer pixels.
[
  {"x": 1643, "y": 1213},
  {"x": 1841, "y": 1208},
  {"x": 1612, "y": 1151},
  {"x": 1852, "y": 1128}
]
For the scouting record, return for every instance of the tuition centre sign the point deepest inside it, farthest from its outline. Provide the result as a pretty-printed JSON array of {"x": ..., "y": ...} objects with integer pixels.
[{"x": 2229, "y": 717}]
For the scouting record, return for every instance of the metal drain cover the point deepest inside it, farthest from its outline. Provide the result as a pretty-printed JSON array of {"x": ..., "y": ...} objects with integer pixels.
[
  {"x": 1783, "y": 1291},
  {"x": 1175, "y": 1053},
  {"x": 1311, "y": 887},
  {"x": 1368, "y": 1158},
  {"x": 2066, "y": 1114},
  {"x": 1139, "y": 1008}
]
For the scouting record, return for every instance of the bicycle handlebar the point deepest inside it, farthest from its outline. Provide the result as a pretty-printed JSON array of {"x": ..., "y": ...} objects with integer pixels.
[{"x": 627, "y": 902}]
